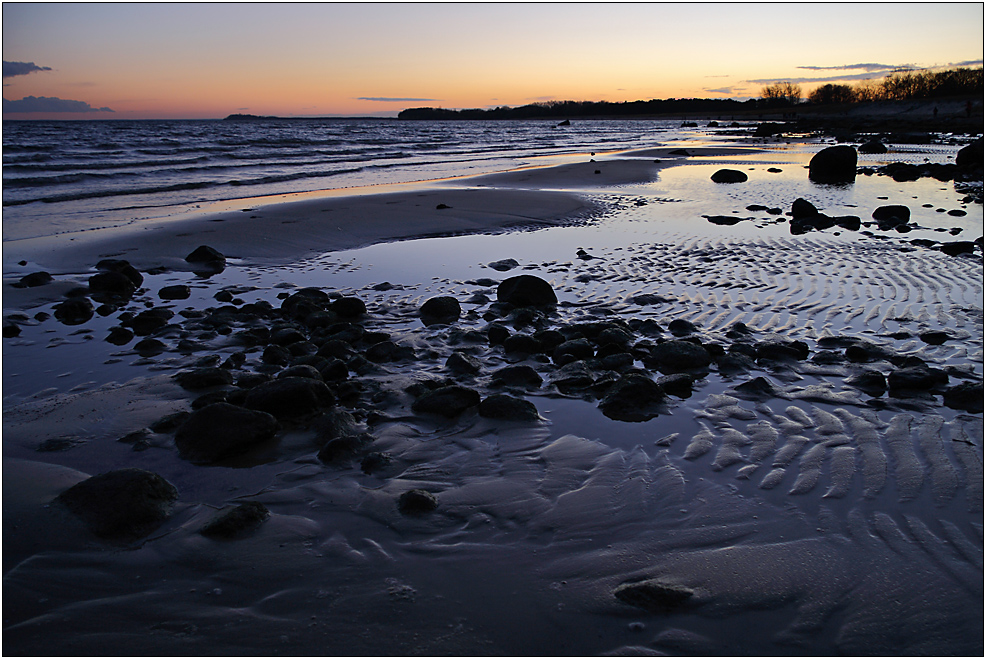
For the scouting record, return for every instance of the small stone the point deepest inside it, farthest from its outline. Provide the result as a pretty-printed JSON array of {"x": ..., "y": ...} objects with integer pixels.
[
  {"x": 417, "y": 502},
  {"x": 729, "y": 176},
  {"x": 653, "y": 595},
  {"x": 176, "y": 292},
  {"x": 503, "y": 265},
  {"x": 237, "y": 522}
]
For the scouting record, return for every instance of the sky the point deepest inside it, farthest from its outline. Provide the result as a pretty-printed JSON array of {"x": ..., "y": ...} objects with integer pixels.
[{"x": 209, "y": 60}]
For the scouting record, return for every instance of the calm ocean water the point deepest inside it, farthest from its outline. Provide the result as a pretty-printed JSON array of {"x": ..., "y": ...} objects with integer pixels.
[{"x": 91, "y": 169}]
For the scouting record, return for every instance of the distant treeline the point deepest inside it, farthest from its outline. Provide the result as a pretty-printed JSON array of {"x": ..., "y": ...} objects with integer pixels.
[
  {"x": 904, "y": 87},
  {"x": 895, "y": 87},
  {"x": 575, "y": 109}
]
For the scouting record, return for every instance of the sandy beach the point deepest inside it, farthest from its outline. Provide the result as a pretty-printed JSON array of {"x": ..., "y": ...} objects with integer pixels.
[{"x": 701, "y": 429}]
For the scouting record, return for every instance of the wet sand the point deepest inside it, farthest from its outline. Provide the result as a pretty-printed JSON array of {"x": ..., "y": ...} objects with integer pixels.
[{"x": 771, "y": 493}]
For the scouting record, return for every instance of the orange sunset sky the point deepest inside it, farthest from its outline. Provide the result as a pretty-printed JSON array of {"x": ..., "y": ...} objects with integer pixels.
[{"x": 191, "y": 60}]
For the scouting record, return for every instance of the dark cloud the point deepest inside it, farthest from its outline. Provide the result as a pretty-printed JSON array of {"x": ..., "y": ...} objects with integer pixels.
[
  {"x": 721, "y": 90},
  {"x": 840, "y": 78},
  {"x": 388, "y": 99},
  {"x": 48, "y": 104},
  {"x": 865, "y": 67},
  {"x": 11, "y": 69}
]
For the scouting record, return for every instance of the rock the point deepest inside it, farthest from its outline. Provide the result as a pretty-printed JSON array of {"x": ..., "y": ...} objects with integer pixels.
[
  {"x": 802, "y": 208},
  {"x": 848, "y": 222},
  {"x": 123, "y": 505},
  {"x": 758, "y": 389},
  {"x": 970, "y": 156},
  {"x": 835, "y": 164},
  {"x": 388, "y": 351},
  {"x": 336, "y": 423},
  {"x": 290, "y": 397},
  {"x": 724, "y": 220},
  {"x": 208, "y": 257},
  {"x": 677, "y": 384},
  {"x": 952, "y": 249},
  {"x": 176, "y": 292},
  {"x": 571, "y": 351},
  {"x": 966, "y": 396},
  {"x": 237, "y": 522},
  {"x": 510, "y": 408},
  {"x": 149, "y": 347},
  {"x": 344, "y": 448},
  {"x": 34, "y": 279},
  {"x": 889, "y": 217},
  {"x": 203, "y": 378},
  {"x": 445, "y": 308},
  {"x": 417, "y": 502},
  {"x": 222, "y": 430},
  {"x": 373, "y": 462},
  {"x": 634, "y": 397},
  {"x": 149, "y": 321},
  {"x": 522, "y": 343},
  {"x": 520, "y": 375},
  {"x": 526, "y": 291},
  {"x": 124, "y": 268},
  {"x": 872, "y": 146},
  {"x": 682, "y": 327},
  {"x": 679, "y": 356},
  {"x": 120, "y": 336},
  {"x": 11, "y": 329},
  {"x": 460, "y": 362},
  {"x": 934, "y": 338},
  {"x": 503, "y": 265},
  {"x": 448, "y": 401},
  {"x": 903, "y": 381},
  {"x": 870, "y": 382},
  {"x": 780, "y": 350},
  {"x": 300, "y": 371},
  {"x": 74, "y": 311},
  {"x": 348, "y": 307},
  {"x": 729, "y": 176},
  {"x": 653, "y": 596}
]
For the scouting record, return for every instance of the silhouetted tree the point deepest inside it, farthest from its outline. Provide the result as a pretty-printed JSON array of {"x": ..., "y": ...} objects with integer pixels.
[
  {"x": 781, "y": 93},
  {"x": 828, "y": 94}
]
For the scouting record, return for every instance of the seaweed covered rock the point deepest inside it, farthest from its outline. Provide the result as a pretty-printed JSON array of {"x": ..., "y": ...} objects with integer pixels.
[
  {"x": 122, "y": 505},
  {"x": 74, "y": 311},
  {"x": 222, "y": 430}
]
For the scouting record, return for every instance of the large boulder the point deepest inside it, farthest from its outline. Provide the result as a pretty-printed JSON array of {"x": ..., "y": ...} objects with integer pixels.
[
  {"x": 526, "y": 291},
  {"x": 971, "y": 156},
  {"x": 835, "y": 164},
  {"x": 204, "y": 257},
  {"x": 290, "y": 397},
  {"x": 237, "y": 521},
  {"x": 222, "y": 430},
  {"x": 122, "y": 505}
]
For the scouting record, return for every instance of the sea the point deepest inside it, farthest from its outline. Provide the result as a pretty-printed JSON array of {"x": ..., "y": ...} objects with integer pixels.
[{"x": 84, "y": 171}]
